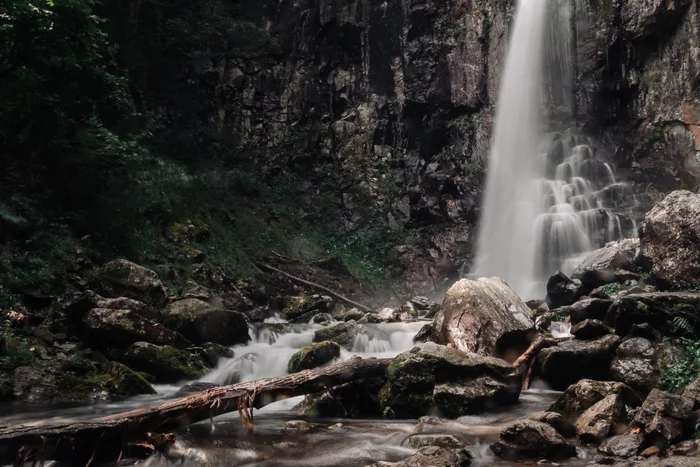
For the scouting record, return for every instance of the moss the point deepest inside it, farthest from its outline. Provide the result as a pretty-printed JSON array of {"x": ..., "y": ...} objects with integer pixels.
[
  {"x": 343, "y": 334},
  {"x": 301, "y": 306},
  {"x": 433, "y": 311},
  {"x": 125, "y": 381},
  {"x": 165, "y": 362},
  {"x": 72, "y": 388},
  {"x": 313, "y": 356}
]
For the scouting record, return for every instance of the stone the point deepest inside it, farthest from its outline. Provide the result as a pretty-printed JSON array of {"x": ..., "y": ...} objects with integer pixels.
[
  {"x": 425, "y": 334},
  {"x": 259, "y": 314},
  {"x": 200, "y": 322},
  {"x": 603, "y": 418},
  {"x": 590, "y": 329},
  {"x": 527, "y": 439},
  {"x": 88, "y": 300},
  {"x": 353, "y": 314},
  {"x": 601, "y": 266},
  {"x": 297, "y": 426},
  {"x": 342, "y": 334},
  {"x": 423, "y": 303},
  {"x": 313, "y": 356},
  {"x": 573, "y": 360},
  {"x": 191, "y": 289},
  {"x": 587, "y": 308},
  {"x": 432, "y": 377},
  {"x": 167, "y": 364},
  {"x": 34, "y": 385},
  {"x": 105, "y": 328},
  {"x": 692, "y": 391},
  {"x": 215, "y": 352},
  {"x": 622, "y": 445},
  {"x": 357, "y": 399},
  {"x": 301, "y": 307},
  {"x": 586, "y": 393},
  {"x": 562, "y": 290},
  {"x": 657, "y": 309},
  {"x": 663, "y": 415},
  {"x": 126, "y": 382},
  {"x": 122, "y": 278},
  {"x": 642, "y": 365},
  {"x": 670, "y": 240},
  {"x": 556, "y": 421},
  {"x": 440, "y": 440},
  {"x": 486, "y": 317},
  {"x": 432, "y": 456},
  {"x": 684, "y": 448},
  {"x": 670, "y": 462}
]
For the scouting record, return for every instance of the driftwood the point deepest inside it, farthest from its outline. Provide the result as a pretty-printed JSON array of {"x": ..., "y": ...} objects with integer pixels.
[
  {"x": 107, "y": 437},
  {"x": 528, "y": 357},
  {"x": 317, "y": 286}
]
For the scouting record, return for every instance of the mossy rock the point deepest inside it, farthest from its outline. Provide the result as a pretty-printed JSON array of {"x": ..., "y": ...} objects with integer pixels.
[
  {"x": 313, "y": 356},
  {"x": 126, "y": 382},
  {"x": 343, "y": 334},
  {"x": 200, "y": 322},
  {"x": 167, "y": 364},
  {"x": 301, "y": 306}
]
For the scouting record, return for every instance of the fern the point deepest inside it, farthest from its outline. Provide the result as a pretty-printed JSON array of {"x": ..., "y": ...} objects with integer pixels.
[{"x": 683, "y": 326}]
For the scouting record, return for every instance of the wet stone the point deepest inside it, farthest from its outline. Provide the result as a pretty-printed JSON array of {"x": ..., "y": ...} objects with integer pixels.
[
  {"x": 439, "y": 440},
  {"x": 622, "y": 445}
]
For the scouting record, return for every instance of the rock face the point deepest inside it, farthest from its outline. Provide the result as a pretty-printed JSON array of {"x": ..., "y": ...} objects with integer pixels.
[
  {"x": 199, "y": 322},
  {"x": 530, "y": 439},
  {"x": 585, "y": 394},
  {"x": 120, "y": 328},
  {"x": 663, "y": 415},
  {"x": 167, "y": 364},
  {"x": 601, "y": 419},
  {"x": 670, "y": 240},
  {"x": 562, "y": 290},
  {"x": 642, "y": 365},
  {"x": 122, "y": 278},
  {"x": 599, "y": 267},
  {"x": 485, "y": 317},
  {"x": 433, "y": 377},
  {"x": 658, "y": 309},
  {"x": 570, "y": 361},
  {"x": 313, "y": 356}
]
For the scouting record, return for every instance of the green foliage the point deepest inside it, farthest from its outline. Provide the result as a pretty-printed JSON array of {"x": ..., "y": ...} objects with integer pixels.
[
  {"x": 682, "y": 326},
  {"x": 684, "y": 372},
  {"x": 612, "y": 288}
]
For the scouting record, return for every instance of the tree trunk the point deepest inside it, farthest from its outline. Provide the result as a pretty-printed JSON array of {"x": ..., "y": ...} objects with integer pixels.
[{"x": 106, "y": 438}]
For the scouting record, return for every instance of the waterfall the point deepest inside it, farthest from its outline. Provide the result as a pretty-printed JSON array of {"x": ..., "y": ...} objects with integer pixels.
[
  {"x": 550, "y": 198},
  {"x": 507, "y": 241}
]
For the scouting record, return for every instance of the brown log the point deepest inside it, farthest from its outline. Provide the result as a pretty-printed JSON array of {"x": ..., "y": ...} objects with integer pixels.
[
  {"x": 528, "y": 357},
  {"x": 107, "y": 436}
]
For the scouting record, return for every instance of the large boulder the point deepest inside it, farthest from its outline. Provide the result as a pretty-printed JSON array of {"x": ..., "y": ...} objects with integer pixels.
[
  {"x": 433, "y": 377},
  {"x": 601, "y": 266},
  {"x": 122, "y": 278},
  {"x": 587, "y": 308},
  {"x": 556, "y": 421},
  {"x": 586, "y": 393},
  {"x": 662, "y": 416},
  {"x": 167, "y": 364},
  {"x": 533, "y": 440},
  {"x": 590, "y": 329},
  {"x": 659, "y": 309},
  {"x": 39, "y": 385},
  {"x": 200, "y": 322},
  {"x": 125, "y": 382},
  {"x": 670, "y": 240},
  {"x": 302, "y": 309},
  {"x": 562, "y": 290},
  {"x": 573, "y": 360},
  {"x": 486, "y": 317},
  {"x": 642, "y": 365},
  {"x": 313, "y": 356},
  {"x": 342, "y": 334},
  {"x": 692, "y": 391},
  {"x": 356, "y": 399},
  {"x": 603, "y": 418},
  {"x": 622, "y": 445},
  {"x": 121, "y": 328},
  {"x": 433, "y": 456}
]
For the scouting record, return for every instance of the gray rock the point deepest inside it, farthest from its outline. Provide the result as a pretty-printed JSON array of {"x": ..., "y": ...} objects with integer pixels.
[
  {"x": 599, "y": 267},
  {"x": 670, "y": 239},
  {"x": 167, "y": 364},
  {"x": 200, "y": 322},
  {"x": 584, "y": 394},
  {"x": 556, "y": 421},
  {"x": 342, "y": 334},
  {"x": 440, "y": 440},
  {"x": 357, "y": 399},
  {"x": 692, "y": 391},
  {"x": 590, "y": 329},
  {"x": 684, "y": 448},
  {"x": 304, "y": 308},
  {"x": 587, "y": 308},
  {"x": 534, "y": 440},
  {"x": 641, "y": 19},
  {"x": 126, "y": 382},
  {"x": 432, "y": 456},
  {"x": 297, "y": 426},
  {"x": 259, "y": 314},
  {"x": 605, "y": 417},
  {"x": 642, "y": 365},
  {"x": 571, "y": 361},
  {"x": 562, "y": 290},
  {"x": 432, "y": 377},
  {"x": 483, "y": 316},
  {"x": 215, "y": 352},
  {"x": 657, "y": 309},
  {"x": 122, "y": 278},
  {"x": 622, "y": 445},
  {"x": 313, "y": 356},
  {"x": 663, "y": 415}
]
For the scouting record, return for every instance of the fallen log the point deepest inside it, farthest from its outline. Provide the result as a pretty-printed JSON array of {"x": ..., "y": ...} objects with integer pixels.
[
  {"x": 528, "y": 357},
  {"x": 105, "y": 438}
]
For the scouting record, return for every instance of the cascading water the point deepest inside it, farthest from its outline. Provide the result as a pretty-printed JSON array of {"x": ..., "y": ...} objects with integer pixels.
[{"x": 550, "y": 198}]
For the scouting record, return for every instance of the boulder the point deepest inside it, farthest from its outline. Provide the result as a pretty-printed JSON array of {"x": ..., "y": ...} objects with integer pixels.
[
  {"x": 302, "y": 309},
  {"x": 432, "y": 456},
  {"x": 662, "y": 416},
  {"x": 122, "y": 278},
  {"x": 342, "y": 334},
  {"x": 657, "y": 309},
  {"x": 603, "y": 265},
  {"x": 36, "y": 385},
  {"x": 259, "y": 314},
  {"x": 191, "y": 289},
  {"x": 586, "y": 393},
  {"x": 297, "y": 426},
  {"x": 432, "y": 377},
  {"x": 670, "y": 240},
  {"x": 126, "y": 382},
  {"x": 590, "y": 329},
  {"x": 167, "y": 364},
  {"x": 603, "y": 418},
  {"x": 357, "y": 399},
  {"x": 440, "y": 440},
  {"x": 212, "y": 352},
  {"x": 199, "y": 322},
  {"x": 313, "y": 356},
  {"x": 692, "y": 391},
  {"x": 573, "y": 360},
  {"x": 527, "y": 439},
  {"x": 684, "y": 448},
  {"x": 353, "y": 314},
  {"x": 88, "y": 300},
  {"x": 642, "y": 365},
  {"x": 587, "y": 308},
  {"x": 485, "y": 317},
  {"x": 556, "y": 421},
  {"x": 562, "y": 290},
  {"x": 120, "y": 328},
  {"x": 622, "y": 445}
]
